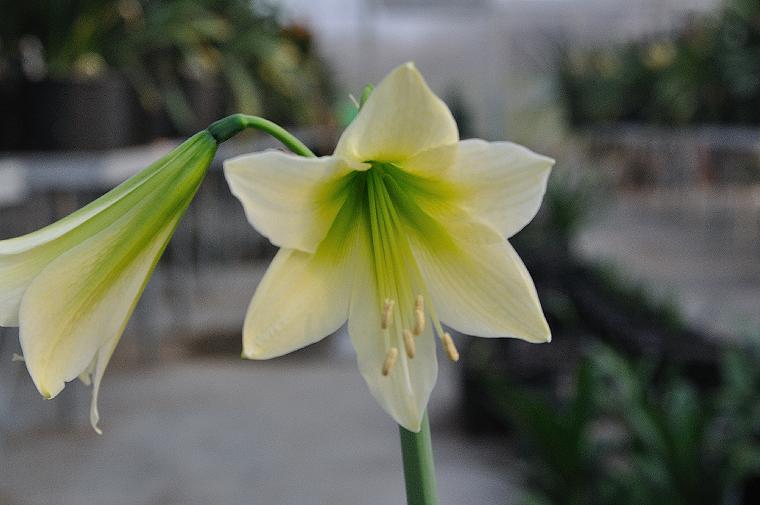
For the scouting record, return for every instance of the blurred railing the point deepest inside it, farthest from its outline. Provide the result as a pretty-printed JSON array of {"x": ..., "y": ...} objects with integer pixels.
[
  {"x": 693, "y": 174},
  {"x": 678, "y": 158}
]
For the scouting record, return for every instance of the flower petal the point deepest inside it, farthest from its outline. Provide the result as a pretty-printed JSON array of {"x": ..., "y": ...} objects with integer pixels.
[
  {"x": 405, "y": 391},
  {"x": 101, "y": 362},
  {"x": 14, "y": 279},
  {"x": 289, "y": 199},
  {"x": 401, "y": 118},
  {"x": 432, "y": 163},
  {"x": 504, "y": 182},
  {"x": 22, "y": 258},
  {"x": 301, "y": 299},
  {"x": 481, "y": 287},
  {"x": 135, "y": 188},
  {"x": 76, "y": 309}
]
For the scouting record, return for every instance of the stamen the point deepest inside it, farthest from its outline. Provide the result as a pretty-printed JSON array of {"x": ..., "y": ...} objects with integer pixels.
[
  {"x": 419, "y": 303},
  {"x": 387, "y": 312},
  {"x": 390, "y": 360},
  {"x": 419, "y": 315},
  {"x": 449, "y": 347},
  {"x": 409, "y": 344}
]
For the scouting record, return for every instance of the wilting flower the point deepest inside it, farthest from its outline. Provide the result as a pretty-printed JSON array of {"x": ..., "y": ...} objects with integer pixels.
[
  {"x": 402, "y": 228},
  {"x": 71, "y": 286}
]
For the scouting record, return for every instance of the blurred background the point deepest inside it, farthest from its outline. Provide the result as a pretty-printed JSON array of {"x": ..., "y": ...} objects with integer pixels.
[{"x": 645, "y": 253}]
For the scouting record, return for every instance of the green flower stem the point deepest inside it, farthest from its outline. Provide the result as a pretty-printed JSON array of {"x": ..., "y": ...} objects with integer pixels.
[
  {"x": 226, "y": 128},
  {"x": 419, "y": 471}
]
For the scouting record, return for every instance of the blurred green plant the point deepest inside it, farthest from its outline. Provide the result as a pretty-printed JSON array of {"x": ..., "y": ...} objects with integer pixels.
[
  {"x": 628, "y": 433},
  {"x": 564, "y": 454},
  {"x": 572, "y": 195},
  {"x": 61, "y": 38},
  {"x": 638, "y": 298},
  {"x": 173, "y": 50},
  {"x": 709, "y": 72}
]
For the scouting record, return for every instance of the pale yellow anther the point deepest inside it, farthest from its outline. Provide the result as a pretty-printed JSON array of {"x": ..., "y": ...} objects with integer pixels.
[
  {"x": 419, "y": 315},
  {"x": 409, "y": 344},
  {"x": 419, "y": 322},
  {"x": 390, "y": 360},
  {"x": 449, "y": 347},
  {"x": 419, "y": 303},
  {"x": 385, "y": 321}
]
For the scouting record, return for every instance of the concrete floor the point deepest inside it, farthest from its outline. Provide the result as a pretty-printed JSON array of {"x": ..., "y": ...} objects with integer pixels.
[{"x": 299, "y": 430}]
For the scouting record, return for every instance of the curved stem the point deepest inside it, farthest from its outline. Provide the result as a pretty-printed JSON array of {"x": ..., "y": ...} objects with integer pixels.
[
  {"x": 419, "y": 470},
  {"x": 226, "y": 128}
]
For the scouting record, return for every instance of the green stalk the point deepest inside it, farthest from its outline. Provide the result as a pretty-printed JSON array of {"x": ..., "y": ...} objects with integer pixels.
[
  {"x": 230, "y": 126},
  {"x": 419, "y": 471}
]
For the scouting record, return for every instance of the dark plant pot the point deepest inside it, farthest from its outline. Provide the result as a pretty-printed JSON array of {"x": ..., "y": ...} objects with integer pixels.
[
  {"x": 750, "y": 492},
  {"x": 208, "y": 100},
  {"x": 99, "y": 113},
  {"x": 10, "y": 118}
]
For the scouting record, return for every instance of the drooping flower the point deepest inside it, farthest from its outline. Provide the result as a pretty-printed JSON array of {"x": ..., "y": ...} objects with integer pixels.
[
  {"x": 403, "y": 228},
  {"x": 72, "y": 286}
]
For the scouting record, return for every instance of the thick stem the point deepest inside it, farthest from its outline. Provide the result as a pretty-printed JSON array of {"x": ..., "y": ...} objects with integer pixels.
[
  {"x": 419, "y": 470},
  {"x": 230, "y": 126}
]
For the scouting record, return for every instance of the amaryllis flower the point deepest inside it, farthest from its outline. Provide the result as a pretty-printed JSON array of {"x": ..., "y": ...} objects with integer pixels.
[
  {"x": 404, "y": 228},
  {"x": 71, "y": 286}
]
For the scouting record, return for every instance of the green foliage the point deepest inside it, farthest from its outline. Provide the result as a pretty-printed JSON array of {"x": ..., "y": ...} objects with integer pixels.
[
  {"x": 165, "y": 48},
  {"x": 638, "y": 298},
  {"x": 561, "y": 441},
  {"x": 572, "y": 195},
  {"x": 75, "y": 37},
  {"x": 630, "y": 433},
  {"x": 568, "y": 203},
  {"x": 707, "y": 73}
]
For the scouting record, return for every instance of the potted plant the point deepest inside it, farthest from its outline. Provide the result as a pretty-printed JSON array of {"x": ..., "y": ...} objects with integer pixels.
[{"x": 135, "y": 70}]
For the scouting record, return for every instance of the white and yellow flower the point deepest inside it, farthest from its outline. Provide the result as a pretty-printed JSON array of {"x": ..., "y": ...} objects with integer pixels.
[
  {"x": 72, "y": 286},
  {"x": 403, "y": 228}
]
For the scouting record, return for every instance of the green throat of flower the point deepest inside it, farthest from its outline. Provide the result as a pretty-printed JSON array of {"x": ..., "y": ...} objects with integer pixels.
[{"x": 385, "y": 206}]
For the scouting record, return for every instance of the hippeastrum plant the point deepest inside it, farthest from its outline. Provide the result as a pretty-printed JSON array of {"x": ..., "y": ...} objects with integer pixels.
[{"x": 403, "y": 229}]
